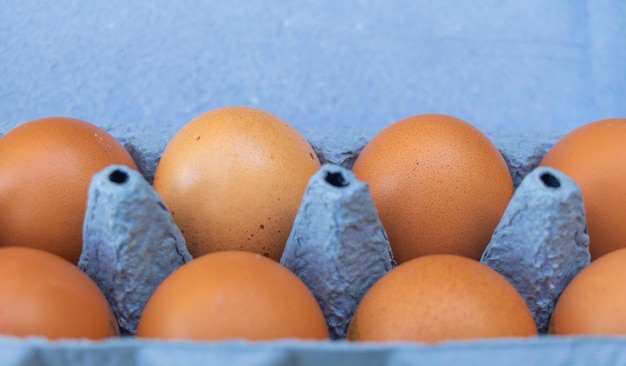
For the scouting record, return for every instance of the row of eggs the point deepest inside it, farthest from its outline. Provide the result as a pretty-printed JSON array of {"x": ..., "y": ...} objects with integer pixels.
[{"x": 233, "y": 179}]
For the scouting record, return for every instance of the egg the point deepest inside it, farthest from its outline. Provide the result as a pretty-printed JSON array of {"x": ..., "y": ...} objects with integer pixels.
[
  {"x": 45, "y": 295},
  {"x": 593, "y": 155},
  {"x": 233, "y": 179},
  {"x": 232, "y": 295},
  {"x": 593, "y": 302},
  {"x": 439, "y": 184},
  {"x": 45, "y": 172},
  {"x": 441, "y": 297}
]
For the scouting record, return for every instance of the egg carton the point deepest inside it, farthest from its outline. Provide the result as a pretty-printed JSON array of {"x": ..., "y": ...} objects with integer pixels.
[{"x": 125, "y": 218}]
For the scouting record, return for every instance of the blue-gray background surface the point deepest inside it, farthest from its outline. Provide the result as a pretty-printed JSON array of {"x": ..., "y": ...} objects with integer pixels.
[
  {"x": 339, "y": 69},
  {"x": 514, "y": 65}
]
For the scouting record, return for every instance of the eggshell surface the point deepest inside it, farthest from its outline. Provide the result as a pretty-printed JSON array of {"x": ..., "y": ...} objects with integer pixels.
[
  {"x": 233, "y": 179},
  {"x": 593, "y": 302},
  {"x": 439, "y": 184},
  {"x": 42, "y": 294},
  {"x": 46, "y": 167},
  {"x": 594, "y": 156},
  {"x": 232, "y": 295},
  {"x": 441, "y": 297}
]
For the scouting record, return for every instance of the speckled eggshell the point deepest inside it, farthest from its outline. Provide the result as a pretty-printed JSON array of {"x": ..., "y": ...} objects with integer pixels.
[
  {"x": 593, "y": 302},
  {"x": 233, "y": 179},
  {"x": 232, "y": 295},
  {"x": 45, "y": 172},
  {"x": 441, "y": 297},
  {"x": 45, "y": 295},
  {"x": 439, "y": 184},
  {"x": 594, "y": 156}
]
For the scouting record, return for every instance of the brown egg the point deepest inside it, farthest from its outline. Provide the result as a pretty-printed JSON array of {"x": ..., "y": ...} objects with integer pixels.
[
  {"x": 233, "y": 179},
  {"x": 594, "y": 156},
  {"x": 45, "y": 172},
  {"x": 441, "y": 297},
  {"x": 593, "y": 302},
  {"x": 232, "y": 294},
  {"x": 45, "y": 295},
  {"x": 439, "y": 184}
]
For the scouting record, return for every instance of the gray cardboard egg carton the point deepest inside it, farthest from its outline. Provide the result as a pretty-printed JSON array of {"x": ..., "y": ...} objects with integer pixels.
[{"x": 122, "y": 200}]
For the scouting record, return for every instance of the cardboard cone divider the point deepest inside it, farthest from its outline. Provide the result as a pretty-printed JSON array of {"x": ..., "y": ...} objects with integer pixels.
[
  {"x": 338, "y": 246},
  {"x": 541, "y": 242},
  {"x": 130, "y": 242}
]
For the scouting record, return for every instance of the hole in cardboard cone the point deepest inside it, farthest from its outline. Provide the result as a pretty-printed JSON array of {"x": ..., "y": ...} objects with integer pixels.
[
  {"x": 550, "y": 180},
  {"x": 118, "y": 176},
  {"x": 336, "y": 179}
]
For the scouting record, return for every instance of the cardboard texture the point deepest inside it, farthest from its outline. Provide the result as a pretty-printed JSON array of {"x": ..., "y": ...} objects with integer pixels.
[
  {"x": 345, "y": 65},
  {"x": 525, "y": 73},
  {"x": 565, "y": 351}
]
